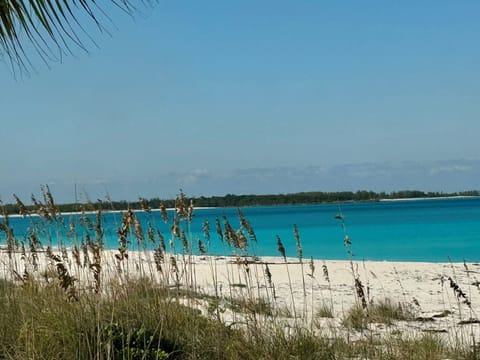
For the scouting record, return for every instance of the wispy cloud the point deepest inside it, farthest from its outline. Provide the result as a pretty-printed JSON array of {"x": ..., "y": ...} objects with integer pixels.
[
  {"x": 452, "y": 175},
  {"x": 191, "y": 177},
  {"x": 450, "y": 169}
]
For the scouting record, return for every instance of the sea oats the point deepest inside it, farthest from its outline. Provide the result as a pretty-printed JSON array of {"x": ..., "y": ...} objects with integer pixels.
[
  {"x": 158, "y": 258},
  {"x": 161, "y": 240},
  {"x": 22, "y": 209},
  {"x": 297, "y": 241},
  {"x": 218, "y": 228},
  {"x": 206, "y": 230},
  {"x": 144, "y": 205},
  {"x": 281, "y": 248},
  {"x": 151, "y": 234},
  {"x": 459, "y": 293},
  {"x": 163, "y": 212},
  {"x": 201, "y": 247},
  {"x": 360, "y": 291}
]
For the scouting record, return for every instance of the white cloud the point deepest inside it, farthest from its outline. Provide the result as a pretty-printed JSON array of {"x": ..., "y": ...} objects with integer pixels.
[
  {"x": 449, "y": 169},
  {"x": 191, "y": 177},
  {"x": 446, "y": 176}
]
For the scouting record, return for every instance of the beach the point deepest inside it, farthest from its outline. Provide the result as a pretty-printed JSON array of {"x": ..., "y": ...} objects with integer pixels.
[
  {"x": 441, "y": 297},
  {"x": 424, "y": 289}
]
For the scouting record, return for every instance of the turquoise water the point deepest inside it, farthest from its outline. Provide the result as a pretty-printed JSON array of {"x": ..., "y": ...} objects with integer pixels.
[{"x": 421, "y": 230}]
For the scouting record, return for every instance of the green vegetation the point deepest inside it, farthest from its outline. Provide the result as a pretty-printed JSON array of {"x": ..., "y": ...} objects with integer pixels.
[
  {"x": 79, "y": 301},
  {"x": 325, "y": 311},
  {"x": 145, "y": 322},
  {"x": 230, "y": 200},
  {"x": 383, "y": 312}
]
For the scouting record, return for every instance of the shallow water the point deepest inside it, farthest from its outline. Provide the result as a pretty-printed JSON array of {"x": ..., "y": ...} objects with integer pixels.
[{"x": 420, "y": 230}]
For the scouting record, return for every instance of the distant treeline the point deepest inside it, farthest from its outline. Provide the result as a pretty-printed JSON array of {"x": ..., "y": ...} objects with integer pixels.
[{"x": 230, "y": 200}]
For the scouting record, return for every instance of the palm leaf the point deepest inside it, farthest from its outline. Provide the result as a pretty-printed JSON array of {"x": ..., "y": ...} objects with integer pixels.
[{"x": 51, "y": 27}]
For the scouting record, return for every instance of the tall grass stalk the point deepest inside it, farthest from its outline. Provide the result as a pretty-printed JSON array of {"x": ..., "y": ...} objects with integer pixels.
[
  {"x": 281, "y": 250},
  {"x": 71, "y": 302},
  {"x": 296, "y": 235}
]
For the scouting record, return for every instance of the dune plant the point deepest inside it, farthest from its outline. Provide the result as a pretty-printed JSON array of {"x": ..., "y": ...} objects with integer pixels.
[
  {"x": 357, "y": 283},
  {"x": 144, "y": 300}
]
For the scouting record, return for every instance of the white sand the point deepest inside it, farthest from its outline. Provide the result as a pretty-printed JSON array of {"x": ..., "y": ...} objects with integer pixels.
[{"x": 422, "y": 287}]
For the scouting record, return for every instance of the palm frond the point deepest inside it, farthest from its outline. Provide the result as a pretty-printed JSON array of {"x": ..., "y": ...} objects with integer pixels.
[{"x": 52, "y": 28}]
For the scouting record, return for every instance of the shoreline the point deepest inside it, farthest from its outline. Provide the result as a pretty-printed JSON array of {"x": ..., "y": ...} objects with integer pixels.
[
  {"x": 453, "y": 197},
  {"x": 270, "y": 259},
  {"x": 424, "y": 288},
  {"x": 431, "y": 198},
  {"x": 103, "y": 212}
]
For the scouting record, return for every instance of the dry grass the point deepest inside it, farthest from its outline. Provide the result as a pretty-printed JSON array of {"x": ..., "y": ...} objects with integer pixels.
[
  {"x": 66, "y": 302},
  {"x": 383, "y": 312}
]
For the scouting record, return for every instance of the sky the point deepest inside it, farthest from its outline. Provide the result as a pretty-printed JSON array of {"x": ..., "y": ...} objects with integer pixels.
[{"x": 219, "y": 97}]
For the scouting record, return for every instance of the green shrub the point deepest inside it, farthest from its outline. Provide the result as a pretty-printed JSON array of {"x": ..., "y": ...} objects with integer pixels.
[{"x": 134, "y": 344}]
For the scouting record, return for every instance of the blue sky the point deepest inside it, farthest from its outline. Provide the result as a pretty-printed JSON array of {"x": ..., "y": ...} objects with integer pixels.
[{"x": 243, "y": 96}]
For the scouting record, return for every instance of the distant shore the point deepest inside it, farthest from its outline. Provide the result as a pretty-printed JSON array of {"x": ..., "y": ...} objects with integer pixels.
[
  {"x": 248, "y": 200},
  {"x": 103, "y": 211},
  {"x": 431, "y": 198},
  {"x": 453, "y": 197}
]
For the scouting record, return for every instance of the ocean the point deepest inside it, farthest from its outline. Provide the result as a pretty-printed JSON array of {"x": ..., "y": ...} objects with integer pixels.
[{"x": 436, "y": 230}]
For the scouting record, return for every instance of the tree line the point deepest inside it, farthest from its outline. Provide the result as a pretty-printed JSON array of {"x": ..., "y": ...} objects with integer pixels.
[{"x": 231, "y": 200}]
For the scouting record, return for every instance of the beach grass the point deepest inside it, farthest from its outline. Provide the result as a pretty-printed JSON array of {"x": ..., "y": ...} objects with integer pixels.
[{"x": 77, "y": 300}]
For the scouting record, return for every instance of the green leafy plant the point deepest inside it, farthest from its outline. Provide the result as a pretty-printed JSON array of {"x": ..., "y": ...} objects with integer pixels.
[{"x": 135, "y": 344}]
